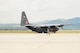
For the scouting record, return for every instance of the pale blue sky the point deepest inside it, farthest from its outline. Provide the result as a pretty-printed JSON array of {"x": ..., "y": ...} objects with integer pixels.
[{"x": 38, "y": 10}]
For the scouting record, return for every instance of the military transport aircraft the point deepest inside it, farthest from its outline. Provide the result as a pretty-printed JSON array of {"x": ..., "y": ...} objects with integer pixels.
[{"x": 44, "y": 28}]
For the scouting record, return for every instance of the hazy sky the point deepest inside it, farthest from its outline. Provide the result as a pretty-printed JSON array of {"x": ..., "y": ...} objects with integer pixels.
[{"x": 38, "y": 10}]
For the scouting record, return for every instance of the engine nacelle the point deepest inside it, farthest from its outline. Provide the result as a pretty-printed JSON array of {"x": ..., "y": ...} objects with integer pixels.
[
  {"x": 41, "y": 29},
  {"x": 53, "y": 29}
]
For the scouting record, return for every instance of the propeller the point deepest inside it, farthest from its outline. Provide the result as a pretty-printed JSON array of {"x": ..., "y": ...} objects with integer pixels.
[
  {"x": 48, "y": 29},
  {"x": 62, "y": 27}
]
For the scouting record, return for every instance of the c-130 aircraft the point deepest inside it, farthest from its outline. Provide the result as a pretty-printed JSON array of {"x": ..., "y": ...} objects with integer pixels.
[{"x": 43, "y": 28}]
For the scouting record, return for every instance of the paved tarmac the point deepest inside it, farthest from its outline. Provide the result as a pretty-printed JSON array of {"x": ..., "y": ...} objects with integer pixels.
[{"x": 39, "y": 43}]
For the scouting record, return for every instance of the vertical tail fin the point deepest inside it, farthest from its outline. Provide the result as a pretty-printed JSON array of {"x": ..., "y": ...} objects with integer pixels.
[{"x": 24, "y": 20}]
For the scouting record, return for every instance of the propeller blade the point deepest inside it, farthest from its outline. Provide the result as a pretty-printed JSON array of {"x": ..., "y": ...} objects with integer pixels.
[{"x": 62, "y": 27}]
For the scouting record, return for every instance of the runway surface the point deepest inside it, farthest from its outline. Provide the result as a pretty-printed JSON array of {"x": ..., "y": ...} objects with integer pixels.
[{"x": 39, "y": 43}]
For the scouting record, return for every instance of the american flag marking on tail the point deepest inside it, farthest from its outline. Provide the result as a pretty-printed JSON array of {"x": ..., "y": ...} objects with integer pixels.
[{"x": 27, "y": 22}]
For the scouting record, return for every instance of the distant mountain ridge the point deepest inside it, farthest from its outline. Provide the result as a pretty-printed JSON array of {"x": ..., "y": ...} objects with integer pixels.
[
  {"x": 74, "y": 24},
  {"x": 58, "y": 21},
  {"x": 12, "y": 27}
]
